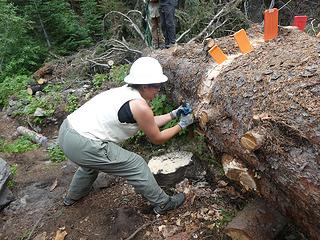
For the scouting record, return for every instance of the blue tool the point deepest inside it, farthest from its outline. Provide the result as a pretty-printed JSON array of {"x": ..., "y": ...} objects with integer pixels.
[{"x": 184, "y": 110}]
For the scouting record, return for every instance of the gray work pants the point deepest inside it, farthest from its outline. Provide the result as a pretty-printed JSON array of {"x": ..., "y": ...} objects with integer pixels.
[
  {"x": 94, "y": 155},
  {"x": 168, "y": 26}
]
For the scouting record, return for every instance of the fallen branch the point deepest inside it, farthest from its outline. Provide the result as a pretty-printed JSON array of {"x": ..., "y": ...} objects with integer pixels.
[
  {"x": 139, "y": 229},
  {"x": 34, "y": 136}
]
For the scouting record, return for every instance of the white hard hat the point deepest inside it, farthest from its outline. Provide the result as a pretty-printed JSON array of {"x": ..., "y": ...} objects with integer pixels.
[{"x": 145, "y": 70}]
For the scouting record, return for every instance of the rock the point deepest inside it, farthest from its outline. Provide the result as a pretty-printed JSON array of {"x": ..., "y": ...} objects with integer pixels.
[
  {"x": 104, "y": 180},
  {"x": 6, "y": 195},
  {"x": 4, "y": 173},
  {"x": 39, "y": 112}
]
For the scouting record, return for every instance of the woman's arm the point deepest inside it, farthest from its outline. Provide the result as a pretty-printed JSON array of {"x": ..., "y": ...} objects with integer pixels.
[
  {"x": 143, "y": 114},
  {"x": 162, "y": 120}
]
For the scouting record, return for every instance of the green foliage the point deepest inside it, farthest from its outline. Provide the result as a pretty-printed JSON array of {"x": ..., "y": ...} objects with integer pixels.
[
  {"x": 48, "y": 103},
  {"x": 12, "y": 86},
  {"x": 118, "y": 73},
  {"x": 115, "y": 5},
  {"x": 56, "y": 154},
  {"x": 98, "y": 79},
  {"x": 20, "y": 53},
  {"x": 226, "y": 217},
  {"x": 56, "y": 24},
  {"x": 72, "y": 103},
  {"x": 13, "y": 172},
  {"x": 20, "y": 145},
  {"x": 92, "y": 17},
  {"x": 160, "y": 105}
]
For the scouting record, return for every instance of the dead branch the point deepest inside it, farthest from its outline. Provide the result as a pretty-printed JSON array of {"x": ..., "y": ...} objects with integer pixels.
[
  {"x": 206, "y": 28},
  {"x": 135, "y": 26},
  {"x": 139, "y": 229},
  {"x": 125, "y": 46},
  {"x": 220, "y": 25},
  {"x": 224, "y": 10},
  {"x": 182, "y": 35}
]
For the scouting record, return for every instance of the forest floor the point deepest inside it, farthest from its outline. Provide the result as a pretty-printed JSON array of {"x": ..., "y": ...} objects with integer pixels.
[{"x": 113, "y": 210}]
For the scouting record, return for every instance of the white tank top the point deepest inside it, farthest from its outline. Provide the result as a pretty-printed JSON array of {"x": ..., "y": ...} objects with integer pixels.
[{"x": 98, "y": 119}]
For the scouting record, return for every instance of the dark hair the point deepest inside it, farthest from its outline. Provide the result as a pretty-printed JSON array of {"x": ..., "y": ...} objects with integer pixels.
[
  {"x": 140, "y": 86},
  {"x": 135, "y": 86}
]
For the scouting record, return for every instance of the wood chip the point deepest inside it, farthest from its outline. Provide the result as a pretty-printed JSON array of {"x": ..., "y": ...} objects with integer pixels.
[
  {"x": 61, "y": 234},
  {"x": 54, "y": 185}
]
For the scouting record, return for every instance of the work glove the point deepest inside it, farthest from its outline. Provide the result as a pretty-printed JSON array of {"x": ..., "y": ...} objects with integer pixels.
[
  {"x": 186, "y": 120},
  {"x": 174, "y": 113},
  {"x": 184, "y": 109}
]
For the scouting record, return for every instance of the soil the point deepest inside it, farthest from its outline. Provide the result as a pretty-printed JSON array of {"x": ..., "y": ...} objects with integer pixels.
[{"x": 112, "y": 210}]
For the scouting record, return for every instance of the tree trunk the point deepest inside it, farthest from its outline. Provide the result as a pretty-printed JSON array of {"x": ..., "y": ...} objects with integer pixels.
[{"x": 274, "y": 89}]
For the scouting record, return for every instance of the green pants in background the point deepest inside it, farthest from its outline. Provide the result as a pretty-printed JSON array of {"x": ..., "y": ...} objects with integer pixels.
[{"x": 93, "y": 156}]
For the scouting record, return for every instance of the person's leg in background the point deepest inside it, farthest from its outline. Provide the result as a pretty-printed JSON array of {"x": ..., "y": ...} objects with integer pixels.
[
  {"x": 170, "y": 25},
  {"x": 163, "y": 24}
]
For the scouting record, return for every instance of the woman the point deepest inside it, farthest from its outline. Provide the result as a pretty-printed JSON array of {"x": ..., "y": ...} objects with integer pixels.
[{"x": 89, "y": 136}]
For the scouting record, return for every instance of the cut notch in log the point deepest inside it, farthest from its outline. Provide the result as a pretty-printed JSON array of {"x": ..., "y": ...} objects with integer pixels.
[
  {"x": 253, "y": 139},
  {"x": 257, "y": 221},
  {"x": 236, "y": 171}
]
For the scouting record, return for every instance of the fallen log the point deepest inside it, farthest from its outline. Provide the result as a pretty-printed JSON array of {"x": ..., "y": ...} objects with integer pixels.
[
  {"x": 33, "y": 136},
  {"x": 257, "y": 221},
  {"x": 276, "y": 88}
]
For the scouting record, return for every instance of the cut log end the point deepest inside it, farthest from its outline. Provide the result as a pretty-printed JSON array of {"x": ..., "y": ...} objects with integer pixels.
[
  {"x": 237, "y": 234},
  {"x": 203, "y": 118},
  {"x": 257, "y": 221},
  {"x": 208, "y": 43},
  {"x": 110, "y": 63},
  {"x": 236, "y": 171},
  {"x": 31, "y": 90},
  {"x": 41, "y": 81},
  {"x": 252, "y": 140}
]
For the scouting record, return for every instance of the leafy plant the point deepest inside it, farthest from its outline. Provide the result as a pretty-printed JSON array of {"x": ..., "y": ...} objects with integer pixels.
[
  {"x": 20, "y": 53},
  {"x": 118, "y": 73},
  {"x": 226, "y": 216},
  {"x": 56, "y": 154},
  {"x": 20, "y": 145},
  {"x": 13, "y": 172},
  {"x": 160, "y": 105},
  {"x": 72, "y": 103},
  {"x": 11, "y": 86},
  {"x": 98, "y": 79}
]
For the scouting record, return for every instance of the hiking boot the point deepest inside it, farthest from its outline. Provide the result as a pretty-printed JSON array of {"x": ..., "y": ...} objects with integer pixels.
[
  {"x": 68, "y": 201},
  {"x": 174, "y": 202}
]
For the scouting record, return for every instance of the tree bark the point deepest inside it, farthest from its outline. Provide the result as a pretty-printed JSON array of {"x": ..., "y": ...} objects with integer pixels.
[
  {"x": 257, "y": 221},
  {"x": 275, "y": 88}
]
